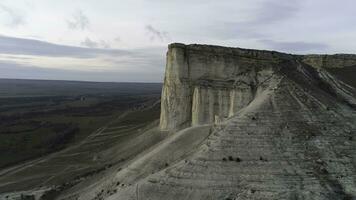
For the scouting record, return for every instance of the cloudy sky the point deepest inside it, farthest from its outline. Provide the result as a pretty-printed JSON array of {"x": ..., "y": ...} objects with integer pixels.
[{"x": 126, "y": 40}]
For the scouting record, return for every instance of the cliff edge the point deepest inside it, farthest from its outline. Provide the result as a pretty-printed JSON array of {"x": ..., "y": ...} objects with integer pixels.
[
  {"x": 281, "y": 127},
  {"x": 262, "y": 125},
  {"x": 205, "y": 84}
]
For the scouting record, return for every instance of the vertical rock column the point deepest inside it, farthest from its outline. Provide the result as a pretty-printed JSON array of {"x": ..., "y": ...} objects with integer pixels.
[
  {"x": 197, "y": 107},
  {"x": 204, "y": 83},
  {"x": 239, "y": 98},
  {"x": 176, "y": 93},
  {"x": 209, "y": 103},
  {"x": 202, "y": 106}
]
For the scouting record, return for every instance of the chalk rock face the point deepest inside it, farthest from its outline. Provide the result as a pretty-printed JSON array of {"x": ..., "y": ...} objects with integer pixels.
[
  {"x": 204, "y": 82},
  {"x": 330, "y": 61},
  {"x": 281, "y": 127},
  {"x": 265, "y": 125}
]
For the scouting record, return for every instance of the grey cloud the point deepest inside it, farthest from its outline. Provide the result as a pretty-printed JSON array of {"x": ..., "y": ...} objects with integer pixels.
[
  {"x": 155, "y": 34},
  {"x": 95, "y": 44},
  {"x": 231, "y": 30},
  {"x": 16, "y": 57},
  {"x": 79, "y": 21},
  {"x": 272, "y": 11},
  {"x": 294, "y": 46},
  {"x": 261, "y": 19},
  {"x": 20, "y": 71},
  {"x": 15, "y": 17},
  {"x": 104, "y": 44},
  {"x": 117, "y": 39},
  {"x": 89, "y": 43},
  {"x": 134, "y": 65},
  {"x": 20, "y": 46}
]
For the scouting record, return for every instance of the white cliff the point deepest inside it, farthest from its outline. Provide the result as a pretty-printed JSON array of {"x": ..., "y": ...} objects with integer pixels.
[
  {"x": 284, "y": 128},
  {"x": 204, "y": 82},
  {"x": 262, "y": 125}
]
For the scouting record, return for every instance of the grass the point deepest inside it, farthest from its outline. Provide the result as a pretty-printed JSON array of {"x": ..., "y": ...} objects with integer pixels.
[
  {"x": 115, "y": 144},
  {"x": 41, "y": 117}
]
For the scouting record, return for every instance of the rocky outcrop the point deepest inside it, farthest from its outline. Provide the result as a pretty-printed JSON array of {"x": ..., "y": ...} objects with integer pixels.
[
  {"x": 330, "y": 61},
  {"x": 276, "y": 126},
  {"x": 289, "y": 131},
  {"x": 204, "y": 83}
]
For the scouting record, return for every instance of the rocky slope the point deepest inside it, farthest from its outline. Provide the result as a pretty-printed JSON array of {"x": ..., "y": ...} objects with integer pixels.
[
  {"x": 281, "y": 127},
  {"x": 243, "y": 124},
  {"x": 207, "y": 83}
]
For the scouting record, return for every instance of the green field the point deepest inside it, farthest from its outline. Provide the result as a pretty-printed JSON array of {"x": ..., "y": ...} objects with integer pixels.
[{"x": 40, "y": 117}]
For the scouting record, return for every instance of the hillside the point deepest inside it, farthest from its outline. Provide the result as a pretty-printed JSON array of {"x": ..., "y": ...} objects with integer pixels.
[
  {"x": 281, "y": 128},
  {"x": 240, "y": 124},
  {"x": 39, "y": 117}
]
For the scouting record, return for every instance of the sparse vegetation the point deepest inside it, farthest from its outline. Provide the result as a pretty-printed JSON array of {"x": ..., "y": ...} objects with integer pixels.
[
  {"x": 41, "y": 117},
  {"x": 231, "y": 158},
  {"x": 263, "y": 159}
]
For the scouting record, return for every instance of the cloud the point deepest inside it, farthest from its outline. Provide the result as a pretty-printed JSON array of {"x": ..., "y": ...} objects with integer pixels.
[
  {"x": 20, "y": 46},
  {"x": 89, "y": 43},
  {"x": 117, "y": 39},
  {"x": 79, "y": 21},
  {"x": 272, "y": 11},
  {"x": 254, "y": 22},
  {"x": 232, "y": 30},
  {"x": 155, "y": 34},
  {"x": 18, "y": 71},
  {"x": 294, "y": 46},
  {"x": 22, "y": 56},
  {"x": 95, "y": 44},
  {"x": 104, "y": 44},
  {"x": 14, "y": 18}
]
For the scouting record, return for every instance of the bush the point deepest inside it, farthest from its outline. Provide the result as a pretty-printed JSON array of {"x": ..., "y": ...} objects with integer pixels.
[{"x": 60, "y": 139}]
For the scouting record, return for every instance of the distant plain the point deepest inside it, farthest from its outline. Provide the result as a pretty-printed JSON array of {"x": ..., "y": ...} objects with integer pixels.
[{"x": 38, "y": 117}]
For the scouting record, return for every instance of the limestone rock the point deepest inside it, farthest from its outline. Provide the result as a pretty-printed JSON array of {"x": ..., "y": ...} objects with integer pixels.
[
  {"x": 330, "y": 61},
  {"x": 262, "y": 125},
  {"x": 203, "y": 81},
  {"x": 287, "y": 134}
]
